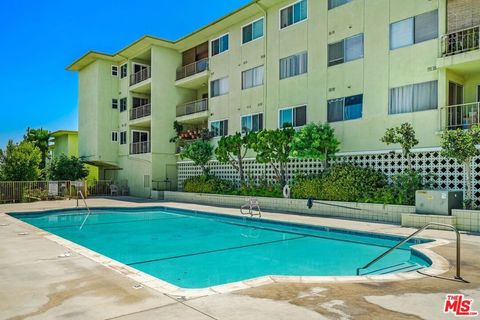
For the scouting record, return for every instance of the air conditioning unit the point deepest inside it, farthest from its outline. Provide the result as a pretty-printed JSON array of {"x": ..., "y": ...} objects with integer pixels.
[{"x": 438, "y": 202}]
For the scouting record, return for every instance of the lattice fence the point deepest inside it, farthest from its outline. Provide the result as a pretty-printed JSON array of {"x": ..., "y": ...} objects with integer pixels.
[{"x": 442, "y": 173}]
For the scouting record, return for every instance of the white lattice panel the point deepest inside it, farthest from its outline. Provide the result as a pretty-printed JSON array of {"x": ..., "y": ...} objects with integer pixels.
[{"x": 443, "y": 173}]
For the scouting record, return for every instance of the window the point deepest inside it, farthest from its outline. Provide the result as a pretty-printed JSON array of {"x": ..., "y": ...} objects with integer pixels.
[
  {"x": 219, "y": 128},
  {"x": 336, "y": 3},
  {"x": 123, "y": 104},
  {"x": 293, "y": 65},
  {"x": 252, "y": 122},
  {"x": 413, "y": 98},
  {"x": 294, "y": 117},
  {"x": 343, "y": 109},
  {"x": 139, "y": 102},
  {"x": 252, "y": 78},
  {"x": 293, "y": 14},
  {"x": 114, "y": 71},
  {"x": 252, "y": 31},
  {"x": 220, "y": 45},
  {"x": 114, "y": 136},
  {"x": 219, "y": 87},
  {"x": 420, "y": 28},
  {"x": 123, "y": 137},
  {"x": 346, "y": 50},
  {"x": 114, "y": 103},
  {"x": 140, "y": 136},
  {"x": 123, "y": 71}
]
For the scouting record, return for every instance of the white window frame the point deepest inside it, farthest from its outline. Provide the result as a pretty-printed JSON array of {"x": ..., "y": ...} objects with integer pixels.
[
  {"x": 210, "y": 51},
  {"x": 120, "y": 104},
  {"x": 210, "y": 88},
  {"x": 251, "y": 23},
  {"x": 258, "y": 85},
  {"x": 120, "y": 138},
  {"x": 294, "y": 107},
  {"x": 345, "y": 49},
  {"x": 111, "y": 71},
  {"x": 114, "y": 134},
  {"x": 219, "y": 120},
  {"x": 294, "y": 23},
  {"x": 251, "y": 115}
]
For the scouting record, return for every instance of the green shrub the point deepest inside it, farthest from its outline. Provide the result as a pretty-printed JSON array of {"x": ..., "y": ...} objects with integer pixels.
[
  {"x": 401, "y": 190},
  {"x": 207, "y": 184},
  {"x": 263, "y": 190},
  {"x": 342, "y": 182}
]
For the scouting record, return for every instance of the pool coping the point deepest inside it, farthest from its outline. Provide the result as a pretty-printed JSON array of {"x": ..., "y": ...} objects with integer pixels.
[{"x": 439, "y": 264}]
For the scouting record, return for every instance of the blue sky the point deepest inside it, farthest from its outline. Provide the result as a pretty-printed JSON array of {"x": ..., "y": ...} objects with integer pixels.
[{"x": 40, "y": 38}]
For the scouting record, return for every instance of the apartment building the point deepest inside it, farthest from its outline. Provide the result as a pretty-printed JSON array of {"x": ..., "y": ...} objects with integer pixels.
[{"x": 361, "y": 65}]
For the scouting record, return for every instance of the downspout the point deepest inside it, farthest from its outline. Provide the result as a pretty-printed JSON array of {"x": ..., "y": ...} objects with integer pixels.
[{"x": 265, "y": 82}]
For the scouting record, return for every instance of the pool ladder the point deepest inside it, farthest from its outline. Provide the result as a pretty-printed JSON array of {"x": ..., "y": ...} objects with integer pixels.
[
  {"x": 252, "y": 205},
  {"x": 80, "y": 194},
  {"x": 425, "y": 227}
]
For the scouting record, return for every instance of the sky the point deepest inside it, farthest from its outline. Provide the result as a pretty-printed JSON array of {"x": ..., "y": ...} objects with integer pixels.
[{"x": 39, "y": 39}]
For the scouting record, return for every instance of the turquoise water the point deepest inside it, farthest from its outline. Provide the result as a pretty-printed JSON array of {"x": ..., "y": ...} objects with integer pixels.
[{"x": 196, "y": 250}]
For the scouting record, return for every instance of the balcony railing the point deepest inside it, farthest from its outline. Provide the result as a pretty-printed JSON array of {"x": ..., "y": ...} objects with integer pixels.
[
  {"x": 460, "y": 116},
  {"x": 191, "y": 69},
  {"x": 140, "y": 76},
  {"x": 140, "y": 112},
  {"x": 460, "y": 41},
  {"x": 140, "y": 147},
  {"x": 192, "y": 107}
]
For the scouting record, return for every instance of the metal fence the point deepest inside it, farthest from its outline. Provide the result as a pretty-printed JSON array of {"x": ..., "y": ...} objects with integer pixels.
[
  {"x": 26, "y": 191},
  {"x": 107, "y": 188}
]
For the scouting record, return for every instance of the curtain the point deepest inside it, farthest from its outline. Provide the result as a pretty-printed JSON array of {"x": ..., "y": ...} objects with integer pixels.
[
  {"x": 286, "y": 17},
  {"x": 426, "y": 26},
  {"x": 223, "y": 86},
  {"x": 425, "y": 96},
  {"x": 401, "y": 100},
  {"x": 401, "y": 33},
  {"x": 354, "y": 47},
  {"x": 300, "y": 11},
  {"x": 335, "y": 110},
  {"x": 258, "y": 73},
  {"x": 300, "y": 116}
]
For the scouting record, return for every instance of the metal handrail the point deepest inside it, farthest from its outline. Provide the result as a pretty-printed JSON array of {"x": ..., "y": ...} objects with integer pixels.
[
  {"x": 140, "y": 76},
  {"x": 79, "y": 193},
  {"x": 141, "y": 111},
  {"x": 461, "y": 116},
  {"x": 425, "y": 227},
  {"x": 192, "y": 107},
  {"x": 460, "y": 41},
  {"x": 140, "y": 147},
  {"x": 192, "y": 68}
]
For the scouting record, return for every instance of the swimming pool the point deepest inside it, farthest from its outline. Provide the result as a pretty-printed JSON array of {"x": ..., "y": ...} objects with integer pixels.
[{"x": 197, "y": 250}]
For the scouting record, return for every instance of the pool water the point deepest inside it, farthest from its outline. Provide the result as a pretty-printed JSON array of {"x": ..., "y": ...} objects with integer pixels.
[{"x": 197, "y": 250}]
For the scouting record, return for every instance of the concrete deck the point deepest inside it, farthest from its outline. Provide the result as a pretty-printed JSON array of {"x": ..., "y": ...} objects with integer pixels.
[{"x": 38, "y": 283}]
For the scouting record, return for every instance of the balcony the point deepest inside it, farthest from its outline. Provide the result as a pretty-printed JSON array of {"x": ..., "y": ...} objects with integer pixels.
[
  {"x": 460, "y": 41},
  {"x": 140, "y": 147},
  {"x": 460, "y": 116},
  {"x": 192, "y": 107},
  {"x": 193, "y": 75},
  {"x": 140, "y": 112},
  {"x": 140, "y": 76}
]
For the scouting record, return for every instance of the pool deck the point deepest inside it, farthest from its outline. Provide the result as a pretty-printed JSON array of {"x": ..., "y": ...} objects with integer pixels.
[{"x": 41, "y": 281}]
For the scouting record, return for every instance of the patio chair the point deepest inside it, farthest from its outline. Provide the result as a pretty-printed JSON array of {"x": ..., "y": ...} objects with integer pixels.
[
  {"x": 252, "y": 205},
  {"x": 113, "y": 190}
]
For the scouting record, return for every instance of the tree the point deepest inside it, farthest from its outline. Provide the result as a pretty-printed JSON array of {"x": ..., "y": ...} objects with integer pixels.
[
  {"x": 66, "y": 169},
  {"x": 405, "y": 137},
  {"x": 200, "y": 152},
  {"x": 40, "y": 139},
  {"x": 274, "y": 147},
  {"x": 461, "y": 145},
  {"x": 315, "y": 141},
  {"x": 20, "y": 162},
  {"x": 233, "y": 149}
]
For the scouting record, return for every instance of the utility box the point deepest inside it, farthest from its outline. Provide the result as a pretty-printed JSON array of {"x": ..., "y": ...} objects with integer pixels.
[{"x": 438, "y": 202}]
